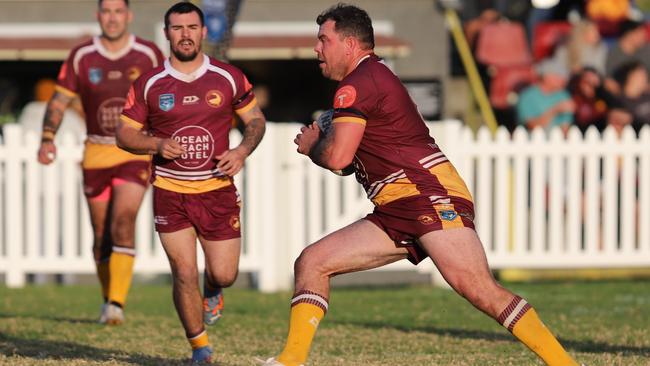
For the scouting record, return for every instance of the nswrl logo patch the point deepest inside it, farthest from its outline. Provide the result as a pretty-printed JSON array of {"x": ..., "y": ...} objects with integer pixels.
[
  {"x": 95, "y": 75},
  {"x": 448, "y": 215},
  {"x": 166, "y": 102}
]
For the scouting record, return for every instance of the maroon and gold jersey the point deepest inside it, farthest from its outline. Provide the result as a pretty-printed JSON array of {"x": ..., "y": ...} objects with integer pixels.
[
  {"x": 396, "y": 159},
  {"x": 197, "y": 111},
  {"x": 102, "y": 79}
]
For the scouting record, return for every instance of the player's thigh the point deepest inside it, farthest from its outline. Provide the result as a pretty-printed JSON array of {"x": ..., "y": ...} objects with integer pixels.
[
  {"x": 127, "y": 198},
  {"x": 359, "y": 246},
  {"x": 180, "y": 247},
  {"x": 459, "y": 255},
  {"x": 222, "y": 258}
]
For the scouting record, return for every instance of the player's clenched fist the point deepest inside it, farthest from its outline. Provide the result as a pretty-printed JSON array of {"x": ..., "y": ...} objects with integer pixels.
[
  {"x": 170, "y": 149},
  {"x": 46, "y": 153},
  {"x": 307, "y": 138}
]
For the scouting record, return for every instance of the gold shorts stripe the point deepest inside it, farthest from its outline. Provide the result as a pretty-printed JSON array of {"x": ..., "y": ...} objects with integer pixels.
[
  {"x": 451, "y": 180},
  {"x": 186, "y": 186}
]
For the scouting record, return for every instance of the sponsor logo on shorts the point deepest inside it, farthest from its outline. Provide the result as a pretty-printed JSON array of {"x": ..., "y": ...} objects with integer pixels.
[
  {"x": 160, "y": 220},
  {"x": 198, "y": 144},
  {"x": 143, "y": 175},
  {"x": 426, "y": 219},
  {"x": 166, "y": 102},
  {"x": 95, "y": 75},
  {"x": 234, "y": 223},
  {"x": 190, "y": 99},
  {"x": 108, "y": 114},
  {"x": 214, "y": 98},
  {"x": 448, "y": 215}
]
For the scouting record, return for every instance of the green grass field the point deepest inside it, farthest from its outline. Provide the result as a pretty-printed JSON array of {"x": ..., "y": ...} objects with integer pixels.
[{"x": 601, "y": 323}]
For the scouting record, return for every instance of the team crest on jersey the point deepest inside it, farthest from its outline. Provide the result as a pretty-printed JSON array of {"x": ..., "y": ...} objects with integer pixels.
[
  {"x": 95, "y": 75},
  {"x": 214, "y": 98},
  {"x": 166, "y": 102},
  {"x": 345, "y": 97},
  {"x": 133, "y": 73}
]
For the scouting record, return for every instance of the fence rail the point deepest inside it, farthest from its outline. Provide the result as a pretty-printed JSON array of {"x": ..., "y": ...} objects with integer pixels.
[{"x": 541, "y": 202}]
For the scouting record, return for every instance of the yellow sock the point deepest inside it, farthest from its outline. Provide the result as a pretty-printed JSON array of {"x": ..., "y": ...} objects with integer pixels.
[
  {"x": 307, "y": 310},
  {"x": 522, "y": 320},
  {"x": 121, "y": 272},
  {"x": 199, "y": 341},
  {"x": 104, "y": 277}
]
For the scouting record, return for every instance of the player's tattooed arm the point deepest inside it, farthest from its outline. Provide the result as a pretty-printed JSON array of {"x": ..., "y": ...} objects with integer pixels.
[
  {"x": 255, "y": 126},
  {"x": 231, "y": 161},
  {"x": 54, "y": 115}
]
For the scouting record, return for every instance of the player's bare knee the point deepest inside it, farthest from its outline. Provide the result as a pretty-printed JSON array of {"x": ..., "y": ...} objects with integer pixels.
[
  {"x": 308, "y": 261},
  {"x": 224, "y": 279},
  {"x": 184, "y": 276},
  {"x": 123, "y": 229}
]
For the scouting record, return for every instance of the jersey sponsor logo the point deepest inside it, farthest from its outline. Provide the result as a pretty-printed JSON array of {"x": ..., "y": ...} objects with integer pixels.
[
  {"x": 234, "y": 223},
  {"x": 108, "y": 114},
  {"x": 114, "y": 75},
  {"x": 166, "y": 102},
  {"x": 95, "y": 75},
  {"x": 160, "y": 220},
  {"x": 360, "y": 172},
  {"x": 426, "y": 219},
  {"x": 198, "y": 144},
  {"x": 190, "y": 99},
  {"x": 214, "y": 98},
  {"x": 133, "y": 73},
  {"x": 345, "y": 97}
]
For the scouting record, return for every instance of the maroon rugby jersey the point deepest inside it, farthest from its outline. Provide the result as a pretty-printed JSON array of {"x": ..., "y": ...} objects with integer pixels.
[
  {"x": 102, "y": 79},
  {"x": 396, "y": 159},
  {"x": 197, "y": 111}
]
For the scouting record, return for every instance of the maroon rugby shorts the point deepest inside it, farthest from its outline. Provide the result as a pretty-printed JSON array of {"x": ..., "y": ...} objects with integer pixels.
[
  {"x": 213, "y": 214},
  {"x": 406, "y": 220},
  {"x": 96, "y": 181}
]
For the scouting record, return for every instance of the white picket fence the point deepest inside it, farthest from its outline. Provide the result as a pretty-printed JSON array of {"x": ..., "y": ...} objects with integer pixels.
[{"x": 540, "y": 203}]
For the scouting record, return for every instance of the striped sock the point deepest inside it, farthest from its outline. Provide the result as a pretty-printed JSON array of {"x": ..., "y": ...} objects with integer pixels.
[
  {"x": 522, "y": 320},
  {"x": 198, "y": 341},
  {"x": 307, "y": 310},
  {"x": 121, "y": 273}
]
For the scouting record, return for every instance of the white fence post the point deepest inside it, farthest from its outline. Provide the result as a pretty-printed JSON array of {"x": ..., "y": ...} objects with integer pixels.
[{"x": 13, "y": 137}]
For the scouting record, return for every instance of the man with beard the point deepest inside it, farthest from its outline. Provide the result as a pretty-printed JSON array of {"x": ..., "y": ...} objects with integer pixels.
[
  {"x": 187, "y": 106},
  {"x": 422, "y": 206},
  {"x": 100, "y": 72}
]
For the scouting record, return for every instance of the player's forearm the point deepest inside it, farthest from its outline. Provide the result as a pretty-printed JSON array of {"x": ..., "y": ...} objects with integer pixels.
[
  {"x": 135, "y": 141},
  {"x": 253, "y": 134},
  {"x": 54, "y": 115}
]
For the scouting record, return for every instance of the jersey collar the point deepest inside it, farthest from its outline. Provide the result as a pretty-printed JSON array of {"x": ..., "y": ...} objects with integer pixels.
[
  {"x": 188, "y": 78},
  {"x": 113, "y": 55}
]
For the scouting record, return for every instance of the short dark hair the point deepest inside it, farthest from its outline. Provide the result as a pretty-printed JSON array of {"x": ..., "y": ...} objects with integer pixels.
[
  {"x": 623, "y": 72},
  {"x": 183, "y": 8},
  {"x": 628, "y": 26},
  {"x": 99, "y": 3},
  {"x": 350, "y": 21}
]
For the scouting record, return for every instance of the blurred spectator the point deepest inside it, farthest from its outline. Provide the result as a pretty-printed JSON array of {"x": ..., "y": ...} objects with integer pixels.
[
  {"x": 608, "y": 14},
  {"x": 584, "y": 48},
  {"x": 635, "y": 92},
  {"x": 632, "y": 45},
  {"x": 474, "y": 26},
  {"x": 546, "y": 103},
  {"x": 590, "y": 98},
  {"x": 618, "y": 117}
]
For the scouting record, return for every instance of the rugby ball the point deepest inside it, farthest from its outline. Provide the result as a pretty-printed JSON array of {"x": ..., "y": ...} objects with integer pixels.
[{"x": 324, "y": 122}]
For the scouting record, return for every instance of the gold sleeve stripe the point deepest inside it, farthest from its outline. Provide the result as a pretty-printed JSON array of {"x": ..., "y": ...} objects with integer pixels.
[
  {"x": 65, "y": 91},
  {"x": 358, "y": 120},
  {"x": 131, "y": 122},
  {"x": 247, "y": 107}
]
